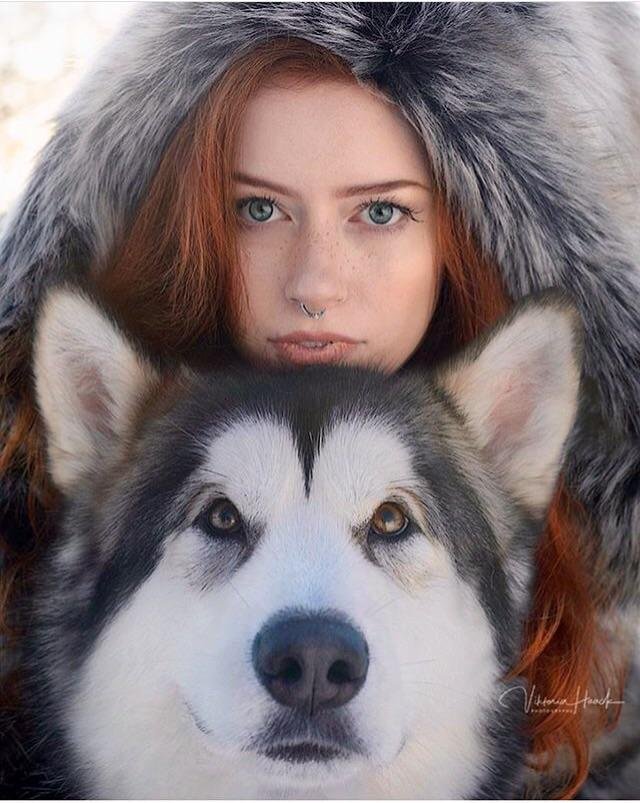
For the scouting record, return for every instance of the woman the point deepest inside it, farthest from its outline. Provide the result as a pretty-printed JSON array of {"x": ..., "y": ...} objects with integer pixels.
[{"x": 514, "y": 123}]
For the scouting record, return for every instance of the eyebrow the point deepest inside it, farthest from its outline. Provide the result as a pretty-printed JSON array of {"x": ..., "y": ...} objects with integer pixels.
[{"x": 346, "y": 192}]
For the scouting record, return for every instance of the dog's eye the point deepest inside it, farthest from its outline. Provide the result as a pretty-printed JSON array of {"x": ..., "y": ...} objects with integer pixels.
[
  {"x": 388, "y": 520},
  {"x": 223, "y": 516}
]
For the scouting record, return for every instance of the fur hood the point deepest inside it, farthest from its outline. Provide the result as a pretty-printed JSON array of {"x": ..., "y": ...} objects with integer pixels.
[{"x": 530, "y": 115}]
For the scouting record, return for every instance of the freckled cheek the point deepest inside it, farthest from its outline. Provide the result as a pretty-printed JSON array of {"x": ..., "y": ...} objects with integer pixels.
[
  {"x": 401, "y": 283},
  {"x": 259, "y": 264}
]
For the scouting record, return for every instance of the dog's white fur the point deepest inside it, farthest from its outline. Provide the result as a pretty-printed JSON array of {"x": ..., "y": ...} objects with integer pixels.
[{"x": 175, "y": 644}]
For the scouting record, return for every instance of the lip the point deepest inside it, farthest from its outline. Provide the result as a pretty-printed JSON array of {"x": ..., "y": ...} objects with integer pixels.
[
  {"x": 320, "y": 337},
  {"x": 303, "y": 752},
  {"x": 296, "y": 354},
  {"x": 292, "y": 352}
]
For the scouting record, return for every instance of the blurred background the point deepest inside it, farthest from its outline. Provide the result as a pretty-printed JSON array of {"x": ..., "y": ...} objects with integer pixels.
[{"x": 44, "y": 49}]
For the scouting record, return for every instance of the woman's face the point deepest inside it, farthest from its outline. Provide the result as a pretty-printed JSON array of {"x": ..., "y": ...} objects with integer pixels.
[{"x": 310, "y": 231}]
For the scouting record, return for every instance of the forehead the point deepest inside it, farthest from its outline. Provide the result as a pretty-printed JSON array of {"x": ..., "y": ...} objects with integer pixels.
[
  {"x": 354, "y": 135},
  {"x": 266, "y": 465}
]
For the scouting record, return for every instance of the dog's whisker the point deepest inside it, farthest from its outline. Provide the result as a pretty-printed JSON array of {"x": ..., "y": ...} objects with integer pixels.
[
  {"x": 381, "y": 607},
  {"x": 238, "y": 593},
  {"x": 189, "y": 435}
]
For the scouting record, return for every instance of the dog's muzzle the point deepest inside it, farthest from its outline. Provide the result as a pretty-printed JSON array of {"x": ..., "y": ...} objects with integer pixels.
[{"x": 312, "y": 665}]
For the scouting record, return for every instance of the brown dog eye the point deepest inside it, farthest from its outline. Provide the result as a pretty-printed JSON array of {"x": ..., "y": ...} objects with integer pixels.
[
  {"x": 223, "y": 515},
  {"x": 388, "y": 520}
]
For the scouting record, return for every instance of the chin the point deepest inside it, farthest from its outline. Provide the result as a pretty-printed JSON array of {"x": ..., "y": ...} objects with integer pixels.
[{"x": 308, "y": 774}]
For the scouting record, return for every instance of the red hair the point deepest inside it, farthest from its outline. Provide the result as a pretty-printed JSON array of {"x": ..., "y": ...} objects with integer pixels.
[{"x": 174, "y": 282}]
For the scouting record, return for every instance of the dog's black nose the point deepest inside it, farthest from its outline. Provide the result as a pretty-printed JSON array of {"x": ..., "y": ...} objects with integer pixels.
[{"x": 311, "y": 662}]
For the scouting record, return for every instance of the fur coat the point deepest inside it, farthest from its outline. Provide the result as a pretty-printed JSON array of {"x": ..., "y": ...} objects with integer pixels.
[{"x": 530, "y": 114}]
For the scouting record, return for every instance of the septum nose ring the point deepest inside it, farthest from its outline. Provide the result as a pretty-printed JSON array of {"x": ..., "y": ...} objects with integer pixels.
[{"x": 308, "y": 312}]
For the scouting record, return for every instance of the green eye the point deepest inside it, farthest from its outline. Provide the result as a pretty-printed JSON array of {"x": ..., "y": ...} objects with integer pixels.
[
  {"x": 260, "y": 209},
  {"x": 381, "y": 212},
  {"x": 389, "y": 520}
]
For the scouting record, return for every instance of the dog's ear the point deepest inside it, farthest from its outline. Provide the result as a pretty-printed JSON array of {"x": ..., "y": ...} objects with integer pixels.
[
  {"x": 88, "y": 379},
  {"x": 517, "y": 388}
]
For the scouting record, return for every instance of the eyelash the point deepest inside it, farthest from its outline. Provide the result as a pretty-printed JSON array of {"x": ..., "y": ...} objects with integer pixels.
[{"x": 407, "y": 211}]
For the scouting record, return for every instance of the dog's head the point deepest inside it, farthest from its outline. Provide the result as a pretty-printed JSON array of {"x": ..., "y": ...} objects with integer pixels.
[{"x": 298, "y": 582}]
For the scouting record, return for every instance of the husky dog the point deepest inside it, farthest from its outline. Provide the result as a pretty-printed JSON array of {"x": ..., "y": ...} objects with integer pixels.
[{"x": 297, "y": 583}]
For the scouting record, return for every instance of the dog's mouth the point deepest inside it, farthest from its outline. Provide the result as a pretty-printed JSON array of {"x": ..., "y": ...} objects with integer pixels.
[
  {"x": 304, "y": 752},
  {"x": 290, "y": 737}
]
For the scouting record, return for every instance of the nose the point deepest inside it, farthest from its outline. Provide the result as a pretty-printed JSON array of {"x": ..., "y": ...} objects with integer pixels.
[
  {"x": 311, "y": 662},
  {"x": 317, "y": 271}
]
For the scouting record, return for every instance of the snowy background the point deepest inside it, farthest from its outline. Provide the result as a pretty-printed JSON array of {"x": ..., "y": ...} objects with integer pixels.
[{"x": 44, "y": 49}]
